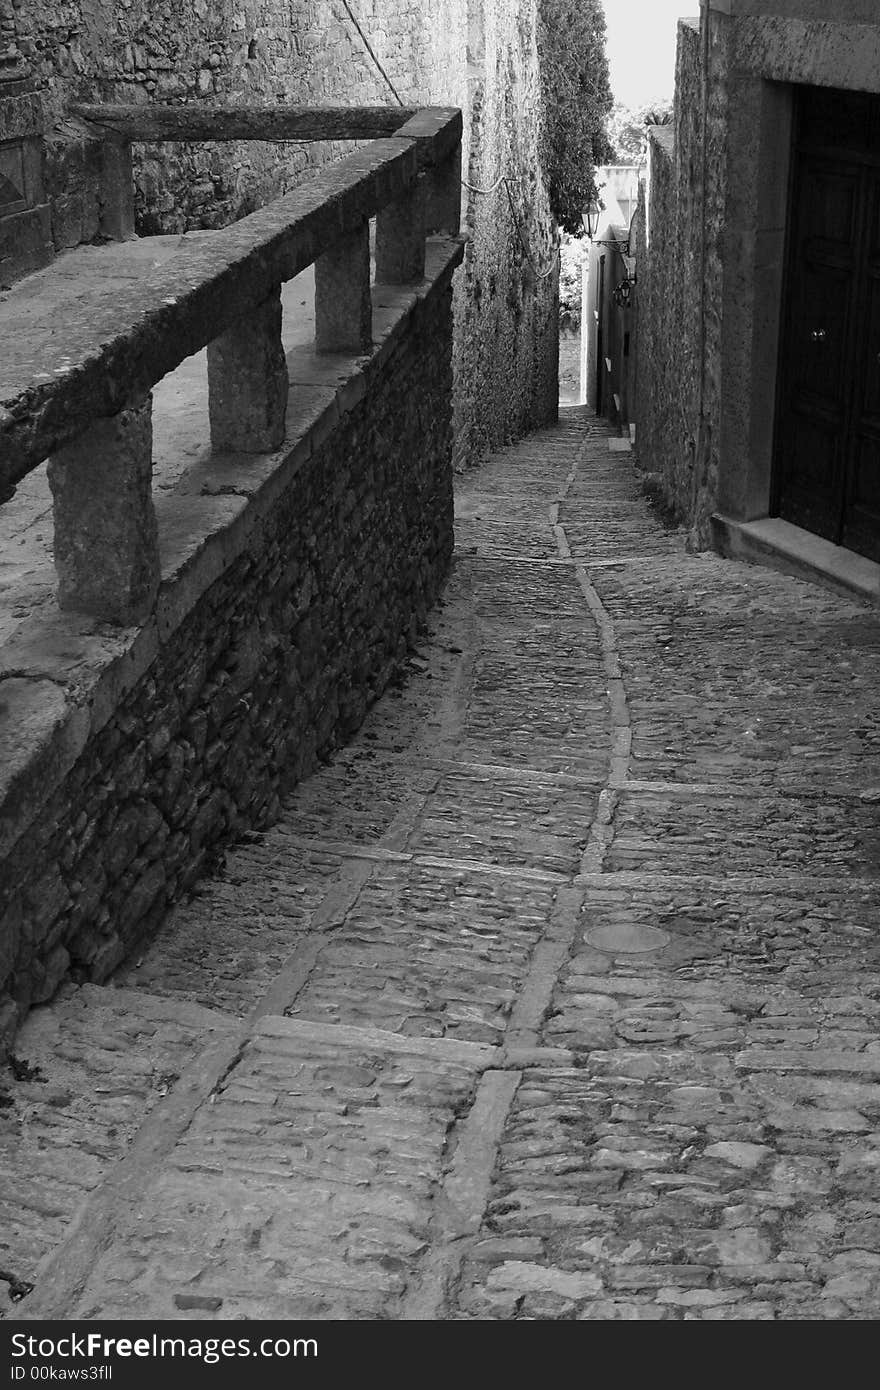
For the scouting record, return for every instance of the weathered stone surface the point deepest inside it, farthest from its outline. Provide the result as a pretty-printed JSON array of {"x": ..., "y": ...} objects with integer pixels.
[
  {"x": 106, "y": 540},
  {"x": 201, "y": 64},
  {"x": 400, "y": 238},
  {"x": 25, "y": 243},
  {"x": 269, "y": 661},
  {"x": 58, "y": 373},
  {"x": 248, "y": 383},
  {"x": 304, "y": 1187},
  {"x": 158, "y": 122},
  {"x": 343, "y": 306},
  {"x": 714, "y": 1155},
  {"x": 98, "y": 1062},
  {"x": 739, "y": 1155}
]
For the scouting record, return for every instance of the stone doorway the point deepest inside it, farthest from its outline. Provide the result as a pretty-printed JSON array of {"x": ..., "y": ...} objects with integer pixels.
[{"x": 826, "y": 475}]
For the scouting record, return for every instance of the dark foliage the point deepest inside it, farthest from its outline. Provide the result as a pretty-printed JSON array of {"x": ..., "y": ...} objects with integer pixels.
[
  {"x": 628, "y": 129},
  {"x": 577, "y": 101}
]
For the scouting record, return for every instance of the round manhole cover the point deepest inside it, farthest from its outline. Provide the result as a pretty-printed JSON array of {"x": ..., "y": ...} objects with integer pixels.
[{"x": 629, "y": 938}]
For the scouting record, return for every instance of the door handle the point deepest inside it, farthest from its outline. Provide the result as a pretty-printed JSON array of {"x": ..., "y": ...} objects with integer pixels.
[{"x": 818, "y": 335}]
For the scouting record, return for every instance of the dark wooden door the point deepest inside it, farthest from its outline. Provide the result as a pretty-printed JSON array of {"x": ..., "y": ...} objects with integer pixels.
[{"x": 827, "y": 476}]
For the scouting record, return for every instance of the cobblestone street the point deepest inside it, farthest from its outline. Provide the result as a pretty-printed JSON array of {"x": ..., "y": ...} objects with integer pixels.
[{"x": 555, "y": 995}]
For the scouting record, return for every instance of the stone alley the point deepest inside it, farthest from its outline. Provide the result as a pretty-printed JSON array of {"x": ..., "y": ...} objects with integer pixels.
[{"x": 555, "y": 995}]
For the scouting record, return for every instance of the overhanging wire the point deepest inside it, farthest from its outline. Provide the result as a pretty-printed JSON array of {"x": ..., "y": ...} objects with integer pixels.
[{"x": 368, "y": 46}]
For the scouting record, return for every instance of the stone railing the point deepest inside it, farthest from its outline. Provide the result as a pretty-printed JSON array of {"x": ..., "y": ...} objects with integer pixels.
[
  {"x": 76, "y": 389},
  {"x": 226, "y": 618}
]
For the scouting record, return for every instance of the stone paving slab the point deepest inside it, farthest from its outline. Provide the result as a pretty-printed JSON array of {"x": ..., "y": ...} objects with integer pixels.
[
  {"x": 556, "y": 730},
  {"x": 734, "y": 673},
  {"x": 704, "y": 584},
  {"x": 555, "y": 995},
  {"x": 215, "y": 951},
  {"x": 519, "y": 599},
  {"x": 738, "y": 834},
  {"x": 91, "y": 1069},
  {"x": 303, "y": 1188},
  {"x": 637, "y": 1187},
  {"x": 714, "y": 963},
  {"x": 499, "y": 540},
  {"x": 615, "y": 537},
  {"x": 430, "y": 951},
  {"x": 689, "y": 740},
  {"x": 511, "y": 820}
]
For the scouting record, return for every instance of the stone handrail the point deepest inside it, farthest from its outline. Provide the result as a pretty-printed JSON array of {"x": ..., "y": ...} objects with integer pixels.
[
  {"x": 221, "y": 122},
  {"x": 79, "y": 393}
]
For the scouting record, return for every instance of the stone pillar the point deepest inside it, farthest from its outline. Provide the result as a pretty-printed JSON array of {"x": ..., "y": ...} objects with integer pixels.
[
  {"x": 106, "y": 541},
  {"x": 117, "y": 189},
  {"x": 248, "y": 383},
  {"x": 343, "y": 306},
  {"x": 443, "y": 200},
  {"x": 400, "y": 238}
]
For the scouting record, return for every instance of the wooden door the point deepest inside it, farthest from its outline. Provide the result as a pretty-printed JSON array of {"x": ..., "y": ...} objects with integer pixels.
[
  {"x": 827, "y": 474},
  {"x": 861, "y": 504}
]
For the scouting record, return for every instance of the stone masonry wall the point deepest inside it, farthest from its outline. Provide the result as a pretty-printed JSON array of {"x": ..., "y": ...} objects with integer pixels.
[
  {"x": 508, "y": 341},
  {"x": 273, "y": 666},
  {"x": 680, "y": 279},
  {"x": 305, "y": 52},
  {"x": 480, "y": 55}
]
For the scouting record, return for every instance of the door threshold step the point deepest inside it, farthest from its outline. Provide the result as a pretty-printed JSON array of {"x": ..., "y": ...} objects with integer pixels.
[{"x": 780, "y": 545}]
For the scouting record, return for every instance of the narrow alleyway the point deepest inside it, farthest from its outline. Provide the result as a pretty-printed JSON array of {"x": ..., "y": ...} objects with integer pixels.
[{"x": 556, "y": 995}]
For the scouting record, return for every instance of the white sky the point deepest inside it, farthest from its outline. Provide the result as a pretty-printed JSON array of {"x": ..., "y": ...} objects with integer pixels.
[{"x": 641, "y": 47}]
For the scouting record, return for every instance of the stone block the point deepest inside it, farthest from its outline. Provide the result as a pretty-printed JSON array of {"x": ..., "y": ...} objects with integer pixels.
[
  {"x": 32, "y": 168},
  {"x": 25, "y": 243},
  {"x": 117, "y": 190},
  {"x": 106, "y": 542},
  {"x": 343, "y": 305},
  {"x": 443, "y": 196},
  {"x": 400, "y": 237},
  {"x": 248, "y": 382}
]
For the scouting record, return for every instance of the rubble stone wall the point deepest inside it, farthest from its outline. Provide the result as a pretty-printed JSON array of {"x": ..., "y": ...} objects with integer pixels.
[
  {"x": 480, "y": 55},
  {"x": 712, "y": 272},
  {"x": 507, "y": 358},
  {"x": 323, "y": 584},
  {"x": 679, "y": 290},
  {"x": 306, "y": 52}
]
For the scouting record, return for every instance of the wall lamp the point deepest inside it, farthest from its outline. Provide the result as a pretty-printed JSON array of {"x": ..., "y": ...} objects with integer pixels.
[
  {"x": 622, "y": 294},
  {"x": 590, "y": 218}
]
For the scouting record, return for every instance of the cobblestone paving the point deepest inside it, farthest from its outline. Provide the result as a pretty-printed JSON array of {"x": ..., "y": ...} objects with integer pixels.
[{"x": 555, "y": 995}]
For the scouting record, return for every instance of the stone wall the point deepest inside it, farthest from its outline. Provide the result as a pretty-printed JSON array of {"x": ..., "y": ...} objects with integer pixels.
[
  {"x": 679, "y": 292},
  {"x": 305, "y": 52},
  {"x": 508, "y": 345},
  {"x": 480, "y": 55},
  {"x": 322, "y": 581},
  {"x": 712, "y": 259},
  {"x": 667, "y": 260}
]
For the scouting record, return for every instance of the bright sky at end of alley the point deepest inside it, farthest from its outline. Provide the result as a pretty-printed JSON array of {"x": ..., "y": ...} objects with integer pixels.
[{"x": 641, "y": 47}]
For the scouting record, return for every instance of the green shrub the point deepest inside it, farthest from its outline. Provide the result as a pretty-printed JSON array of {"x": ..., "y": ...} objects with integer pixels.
[
  {"x": 628, "y": 129},
  {"x": 571, "y": 258}
]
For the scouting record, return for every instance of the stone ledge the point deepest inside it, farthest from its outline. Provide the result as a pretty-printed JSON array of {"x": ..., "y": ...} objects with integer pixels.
[
  {"x": 780, "y": 545},
  {"x": 108, "y": 349},
  {"x": 203, "y": 526}
]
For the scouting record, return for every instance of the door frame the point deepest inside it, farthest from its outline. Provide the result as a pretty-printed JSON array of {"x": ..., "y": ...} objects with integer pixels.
[
  {"x": 858, "y": 161},
  {"x": 759, "y": 64}
]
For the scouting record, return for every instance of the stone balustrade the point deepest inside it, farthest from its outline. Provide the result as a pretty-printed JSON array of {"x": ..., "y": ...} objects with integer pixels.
[
  {"x": 240, "y": 575},
  {"x": 75, "y": 387}
]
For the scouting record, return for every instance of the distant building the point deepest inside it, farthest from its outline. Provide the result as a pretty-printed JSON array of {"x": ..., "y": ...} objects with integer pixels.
[{"x": 607, "y": 298}]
